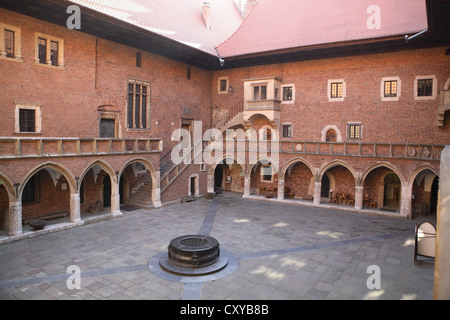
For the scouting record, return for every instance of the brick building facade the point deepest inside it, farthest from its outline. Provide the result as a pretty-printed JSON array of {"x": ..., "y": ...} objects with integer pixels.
[{"x": 89, "y": 115}]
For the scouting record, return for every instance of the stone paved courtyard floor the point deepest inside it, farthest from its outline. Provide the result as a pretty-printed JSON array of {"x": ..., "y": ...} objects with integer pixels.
[{"x": 278, "y": 252}]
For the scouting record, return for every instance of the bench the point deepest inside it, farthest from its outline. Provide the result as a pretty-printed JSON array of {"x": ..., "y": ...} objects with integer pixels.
[{"x": 50, "y": 216}]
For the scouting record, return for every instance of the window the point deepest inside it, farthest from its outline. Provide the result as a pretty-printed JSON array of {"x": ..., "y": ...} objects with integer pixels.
[
  {"x": 336, "y": 90},
  {"x": 354, "y": 131},
  {"x": 54, "y": 53},
  {"x": 425, "y": 87},
  {"x": 266, "y": 173},
  {"x": 287, "y": 130},
  {"x": 223, "y": 85},
  {"x": 138, "y": 59},
  {"x": 260, "y": 92},
  {"x": 331, "y": 136},
  {"x": 49, "y": 51},
  {"x": 288, "y": 93},
  {"x": 10, "y": 42},
  {"x": 138, "y": 105},
  {"x": 28, "y": 118},
  {"x": 188, "y": 73},
  {"x": 390, "y": 88},
  {"x": 30, "y": 193},
  {"x": 42, "y": 51}
]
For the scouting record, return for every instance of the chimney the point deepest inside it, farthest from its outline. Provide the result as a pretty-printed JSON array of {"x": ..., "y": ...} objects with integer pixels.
[{"x": 206, "y": 14}]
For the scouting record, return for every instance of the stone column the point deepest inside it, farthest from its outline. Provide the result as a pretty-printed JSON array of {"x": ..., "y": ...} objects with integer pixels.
[
  {"x": 280, "y": 189},
  {"x": 156, "y": 191},
  {"x": 210, "y": 183},
  {"x": 15, "y": 218},
  {"x": 115, "y": 199},
  {"x": 246, "y": 187},
  {"x": 359, "y": 197},
  {"x": 317, "y": 192},
  {"x": 75, "y": 207},
  {"x": 406, "y": 200},
  {"x": 442, "y": 262}
]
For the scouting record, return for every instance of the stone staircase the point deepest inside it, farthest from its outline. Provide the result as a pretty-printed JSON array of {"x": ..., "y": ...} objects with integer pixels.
[{"x": 142, "y": 197}]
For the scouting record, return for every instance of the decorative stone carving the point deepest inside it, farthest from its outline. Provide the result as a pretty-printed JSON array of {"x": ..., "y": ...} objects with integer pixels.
[{"x": 426, "y": 152}]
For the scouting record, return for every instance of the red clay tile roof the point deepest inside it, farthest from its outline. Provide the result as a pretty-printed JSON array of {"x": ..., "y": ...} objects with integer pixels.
[
  {"x": 282, "y": 24},
  {"x": 179, "y": 20}
]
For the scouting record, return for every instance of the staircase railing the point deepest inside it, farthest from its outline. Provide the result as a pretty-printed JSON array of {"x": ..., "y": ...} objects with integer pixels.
[
  {"x": 178, "y": 167},
  {"x": 232, "y": 112}
]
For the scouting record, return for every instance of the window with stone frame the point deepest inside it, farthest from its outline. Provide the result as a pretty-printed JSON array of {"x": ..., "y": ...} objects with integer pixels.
[
  {"x": 138, "y": 105},
  {"x": 390, "y": 88},
  {"x": 10, "y": 42},
  {"x": 354, "y": 131},
  {"x": 286, "y": 130},
  {"x": 336, "y": 89},
  {"x": 27, "y": 120},
  {"x": 424, "y": 87},
  {"x": 49, "y": 51}
]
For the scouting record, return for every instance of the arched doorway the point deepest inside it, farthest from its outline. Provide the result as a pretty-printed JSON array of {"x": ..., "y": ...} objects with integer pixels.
[
  {"x": 96, "y": 188},
  {"x": 106, "y": 191},
  {"x": 139, "y": 185},
  {"x": 325, "y": 186},
  {"x": 218, "y": 176}
]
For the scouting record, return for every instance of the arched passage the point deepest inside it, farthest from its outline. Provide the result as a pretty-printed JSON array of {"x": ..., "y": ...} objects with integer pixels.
[
  {"x": 140, "y": 184},
  {"x": 382, "y": 187},
  {"x": 425, "y": 187},
  {"x": 47, "y": 191},
  {"x": 96, "y": 187},
  {"x": 7, "y": 199},
  {"x": 263, "y": 175},
  {"x": 342, "y": 182},
  {"x": 298, "y": 177}
]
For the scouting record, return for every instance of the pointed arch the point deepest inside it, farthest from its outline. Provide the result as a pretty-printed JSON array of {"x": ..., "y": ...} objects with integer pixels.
[
  {"x": 379, "y": 165},
  {"x": 292, "y": 162},
  {"x": 255, "y": 162},
  {"x": 223, "y": 157},
  {"x": 416, "y": 172},
  {"x": 9, "y": 186},
  {"x": 103, "y": 165},
  {"x": 335, "y": 163},
  {"x": 150, "y": 167},
  {"x": 53, "y": 166}
]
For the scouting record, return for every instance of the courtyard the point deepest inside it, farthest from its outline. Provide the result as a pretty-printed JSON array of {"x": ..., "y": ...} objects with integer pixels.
[{"x": 277, "y": 251}]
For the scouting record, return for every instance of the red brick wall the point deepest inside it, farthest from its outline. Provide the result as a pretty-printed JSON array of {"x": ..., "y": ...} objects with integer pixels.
[{"x": 405, "y": 121}]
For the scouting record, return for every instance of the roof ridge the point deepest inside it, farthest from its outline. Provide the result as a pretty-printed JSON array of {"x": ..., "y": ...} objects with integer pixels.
[{"x": 237, "y": 30}]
